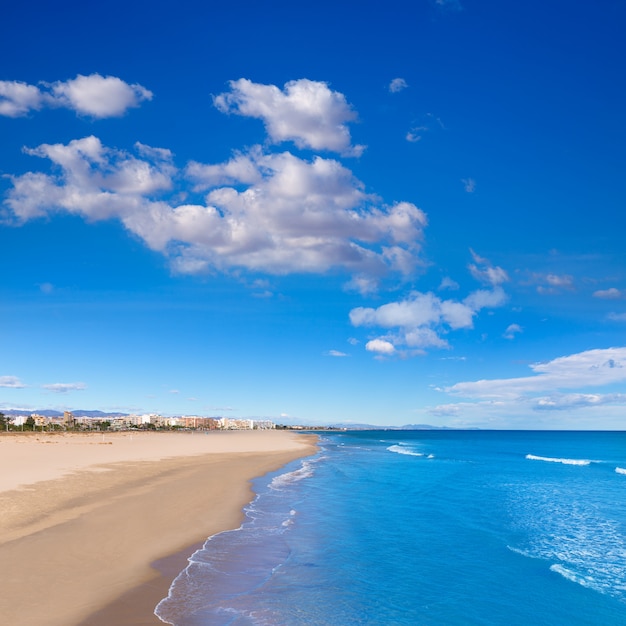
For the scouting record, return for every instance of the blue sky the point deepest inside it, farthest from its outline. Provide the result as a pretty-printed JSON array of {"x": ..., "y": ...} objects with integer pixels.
[{"x": 339, "y": 212}]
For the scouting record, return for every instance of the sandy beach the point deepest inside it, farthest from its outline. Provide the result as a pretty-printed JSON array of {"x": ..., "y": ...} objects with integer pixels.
[{"x": 96, "y": 526}]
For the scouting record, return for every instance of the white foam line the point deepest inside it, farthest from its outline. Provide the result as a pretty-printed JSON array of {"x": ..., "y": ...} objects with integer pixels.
[
  {"x": 548, "y": 459},
  {"x": 400, "y": 450}
]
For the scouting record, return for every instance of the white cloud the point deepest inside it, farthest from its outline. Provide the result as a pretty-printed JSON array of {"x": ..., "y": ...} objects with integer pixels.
[
  {"x": 560, "y": 402},
  {"x": 423, "y": 338},
  {"x": 306, "y": 112},
  {"x": 484, "y": 298},
  {"x": 94, "y": 95},
  {"x": 397, "y": 84},
  {"x": 555, "y": 280},
  {"x": 417, "y": 310},
  {"x": 445, "y": 410},
  {"x": 99, "y": 96},
  {"x": 362, "y": 284},
  {"x": 336, "y": 353},
  {"x": 283, "y": 214},
  {"x": 18, "y": 99},
  {"x": 512, "y": 330},
  {"x": 448, "y": 283},
  {"x": 552, "y": 284},
  {"x": 65, "y": 387},
  {"x": 416, "y": 133},
  {"x": 418, "y": 320},
  {"x": 241, "y": 169},
  {"x": 585, "y": 369},
  {"x": 483, "y": 271},
  {"x": 96, "y": 182},
  {"x": 608, "y": 294},
  {"x": 582, "y": 411},
  {"x": 11, "y": 382},
  {"x": 380, "y": 346}
]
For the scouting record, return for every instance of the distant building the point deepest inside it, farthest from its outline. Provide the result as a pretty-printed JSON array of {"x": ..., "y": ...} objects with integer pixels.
[
  {"x": 230, "y": 423},
  {"x": 195, "y": 421},
  {"x": 40, "y": 420}
]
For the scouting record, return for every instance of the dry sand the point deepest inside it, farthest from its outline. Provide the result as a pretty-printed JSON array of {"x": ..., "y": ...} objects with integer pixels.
[{"x": 93, "y": 527}]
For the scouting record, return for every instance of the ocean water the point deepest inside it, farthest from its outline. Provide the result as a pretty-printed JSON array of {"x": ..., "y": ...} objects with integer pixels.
[{"x": 423, "y": 527}]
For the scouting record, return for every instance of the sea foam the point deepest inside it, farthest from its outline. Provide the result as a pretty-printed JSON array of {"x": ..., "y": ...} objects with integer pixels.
[
  {"x": 585, "y": 581},
  {"x": 548, "y": 459},
  {"x": 306, "y": 471},
  {"x": 620, "y": 470},
  {"x": 400, "y": 449}
]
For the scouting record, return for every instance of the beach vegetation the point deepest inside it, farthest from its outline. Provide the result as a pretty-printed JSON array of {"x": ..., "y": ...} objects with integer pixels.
[{"x": 5, "y": 421}]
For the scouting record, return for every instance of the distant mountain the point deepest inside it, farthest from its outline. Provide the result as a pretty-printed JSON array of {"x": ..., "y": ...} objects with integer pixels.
[
  {"x": 26, "y": 413},
  {"x": 353, "y": 426},
  {"x": 424, "y": 427},
  {"x": 82, "y": 413},
  {"x": 53, "y": 413},
  {"x": 356, "y": 426}
]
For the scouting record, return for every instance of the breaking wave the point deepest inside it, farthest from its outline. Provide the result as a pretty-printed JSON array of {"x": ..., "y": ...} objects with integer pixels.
[
  {"x": 548, "y": 459},
  {"x": 401, "y": 449}
]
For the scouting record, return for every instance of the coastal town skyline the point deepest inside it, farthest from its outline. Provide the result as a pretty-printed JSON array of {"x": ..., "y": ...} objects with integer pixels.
[{"x": 336, "y": 217}]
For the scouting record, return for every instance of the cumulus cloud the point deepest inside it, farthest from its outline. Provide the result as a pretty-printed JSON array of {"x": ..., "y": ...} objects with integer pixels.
[
  {"x": 99, "y": 96},
  {"x": 419, "y": 320},
  {"x": 96, "y": 182},
  {"x": 584, "y": 369},
  {"x": 380, "y": 346},
  {"x": 11, "y": 382},
  {"x": 306, "y": 112},
  {"x": 397, "y": 84},
  {"x": 241, "y": 169},
  {"x": 608, "y": 294},
  {"x": 94, "y": 96},
  {"x": 65, "y": 387},
  {"x": 279, "y": 214},
  {"x": 18, "y": 99}
]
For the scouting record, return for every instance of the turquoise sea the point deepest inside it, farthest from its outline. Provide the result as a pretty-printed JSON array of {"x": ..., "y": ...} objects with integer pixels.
[{"x": 424, "y": 527}]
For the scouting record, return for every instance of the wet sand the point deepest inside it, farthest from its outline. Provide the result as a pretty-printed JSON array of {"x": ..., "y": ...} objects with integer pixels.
[{"x": 95, "y": 527}]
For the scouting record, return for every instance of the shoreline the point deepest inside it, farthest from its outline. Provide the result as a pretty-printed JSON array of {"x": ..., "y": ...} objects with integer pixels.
[{"x": 100, "y": 542}]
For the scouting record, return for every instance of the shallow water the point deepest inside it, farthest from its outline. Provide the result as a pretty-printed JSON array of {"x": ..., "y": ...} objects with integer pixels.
[{"x": 424, "y": 527}]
